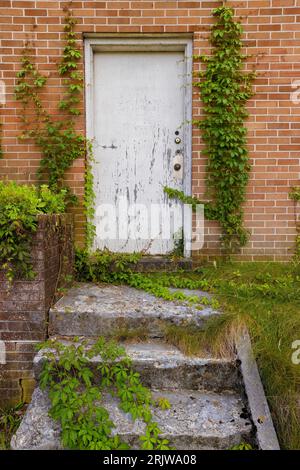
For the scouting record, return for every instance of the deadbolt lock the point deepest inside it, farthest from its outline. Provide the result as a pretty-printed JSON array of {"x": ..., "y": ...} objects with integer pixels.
[
  {"x": 177, "y": 140},
  {"x": 177, "y": 166}
]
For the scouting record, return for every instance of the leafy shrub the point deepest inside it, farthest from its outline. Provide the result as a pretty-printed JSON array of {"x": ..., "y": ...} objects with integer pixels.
[
  {"x": 19, "y": 207},
  {"x": 104, "y": 265}
]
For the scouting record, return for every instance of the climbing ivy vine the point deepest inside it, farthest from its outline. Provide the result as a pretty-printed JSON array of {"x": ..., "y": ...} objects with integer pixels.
[
  {"x": 89, "y": 198},
  {"x": 225, "y": 88},
  {"x": 76, "y": 393},
  {"x": 58, "y": 139}
]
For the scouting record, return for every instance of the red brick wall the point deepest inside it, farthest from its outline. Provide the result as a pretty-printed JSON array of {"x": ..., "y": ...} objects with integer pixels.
[
  {"x": 272, "y": 34},
  {"x": 24, "y": 308}
]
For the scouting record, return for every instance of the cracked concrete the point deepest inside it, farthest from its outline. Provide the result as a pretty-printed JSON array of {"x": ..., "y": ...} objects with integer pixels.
[
  {"x": 93, "y": 310},
  {"x": 196, "y": 420}
]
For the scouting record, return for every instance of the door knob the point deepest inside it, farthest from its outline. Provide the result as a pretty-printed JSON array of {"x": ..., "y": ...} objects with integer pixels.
[{"x": 177, "y": 166}]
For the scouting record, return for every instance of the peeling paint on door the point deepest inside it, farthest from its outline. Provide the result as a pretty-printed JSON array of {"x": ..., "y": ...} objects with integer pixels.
[{"x": 138, "y": 107}]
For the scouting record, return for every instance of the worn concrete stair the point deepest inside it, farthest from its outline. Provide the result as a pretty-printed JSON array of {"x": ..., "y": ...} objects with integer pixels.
[
  {"x": 207, "y": 408},
  {"x": 163, "y": 366},
  {"x": 95, "y": 310}
]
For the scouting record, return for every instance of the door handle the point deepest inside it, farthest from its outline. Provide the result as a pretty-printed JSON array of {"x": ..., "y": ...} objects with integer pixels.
[{"x": 178, "y": 166}]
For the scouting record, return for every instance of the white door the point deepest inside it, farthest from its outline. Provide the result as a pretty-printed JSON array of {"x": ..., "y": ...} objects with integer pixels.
[{"x": 139, "y": 148}]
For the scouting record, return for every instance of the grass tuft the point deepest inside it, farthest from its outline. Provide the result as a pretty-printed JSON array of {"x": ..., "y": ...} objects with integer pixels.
[{"x": 10, "y": 419}]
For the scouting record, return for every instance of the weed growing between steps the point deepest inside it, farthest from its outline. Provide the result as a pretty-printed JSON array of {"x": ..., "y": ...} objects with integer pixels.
[
  {"x": 76, "y": 394},
  {"x": 194, "y": 342},
  {"x": 242, "y": 446}
]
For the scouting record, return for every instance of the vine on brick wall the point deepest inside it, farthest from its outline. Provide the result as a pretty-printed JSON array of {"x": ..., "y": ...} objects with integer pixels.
[
  {"x": 225, "y": 88},
  {"x": 58, "y": 139},
  {"x": 89, "y": 199}
]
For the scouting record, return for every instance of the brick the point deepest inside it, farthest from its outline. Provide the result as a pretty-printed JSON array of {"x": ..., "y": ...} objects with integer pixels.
[
  {"x": 189, "y": 5},
  {"x": 35, "y": 12},
  {"x": 118, "y": 20},
  {"x": 24, "y": 308}
]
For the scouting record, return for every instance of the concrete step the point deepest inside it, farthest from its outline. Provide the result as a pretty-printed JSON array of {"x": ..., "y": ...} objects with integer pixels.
[
  {"x": 94, "y": 310},
  {"x": 196, "y": 420},
  {"x": 163, "y": 366}
]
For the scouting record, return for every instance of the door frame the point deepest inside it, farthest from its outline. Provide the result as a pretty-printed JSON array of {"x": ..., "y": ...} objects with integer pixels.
[{"x": 144, "y": 44}]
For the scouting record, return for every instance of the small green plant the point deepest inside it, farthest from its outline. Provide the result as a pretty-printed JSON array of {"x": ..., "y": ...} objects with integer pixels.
[
  {"x": 295, "y": 193},
  {"x": 19, "y": 207},
  {"x": 76, "y": 394},
  {"x": 10, "y": 419},
  {"x": 242, "y": 446},
  {"x": 178, "y": 250},
  {"x": 163, "y": 403}
]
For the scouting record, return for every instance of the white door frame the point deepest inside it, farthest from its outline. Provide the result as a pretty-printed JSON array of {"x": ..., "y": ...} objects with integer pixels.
[{"x": 160, "y": 44}]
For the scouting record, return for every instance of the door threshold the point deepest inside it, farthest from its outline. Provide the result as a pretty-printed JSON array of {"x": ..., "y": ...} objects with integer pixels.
[{"x": 154, "y": 263}]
